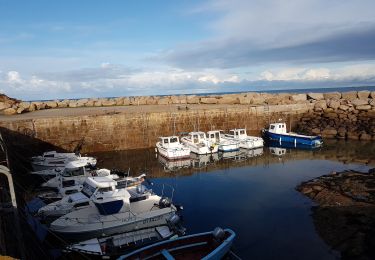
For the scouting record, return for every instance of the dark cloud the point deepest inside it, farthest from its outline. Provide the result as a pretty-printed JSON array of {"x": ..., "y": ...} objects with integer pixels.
[{"x": 355, "y": 45}]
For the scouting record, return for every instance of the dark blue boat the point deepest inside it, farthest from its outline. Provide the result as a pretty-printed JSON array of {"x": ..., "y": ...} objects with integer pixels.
[
  {"x": 208, "y": 246},
  {"x": 277, "y": 133}
]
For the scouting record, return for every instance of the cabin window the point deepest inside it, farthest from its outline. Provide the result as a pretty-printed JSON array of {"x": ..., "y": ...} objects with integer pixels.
[
  {"x": 106, "y": 189},
  {"x": 242, "y": 132},
  {"x": 231, "y": 132},
  {"x": 279, "y": 126},
  {"x": 165, "y": 141},
  {"x": 56, "y": 162},
  {"x": 272, "y": 127},
  {"x": 202, "y": 136},
  {"x": 49, "y": 155},
  {"x": 174, "y": 140},
  {"x": 88, "y": 190},
  {"x": 68, "y": 192},
  {"x": 82, "y": 204},
  {"x": 196, "y": 139},
  {"x": 68, "y": 183},
  {"x": 212, "y": 136}
]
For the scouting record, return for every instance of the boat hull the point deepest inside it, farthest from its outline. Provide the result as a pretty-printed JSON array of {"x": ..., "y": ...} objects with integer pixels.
[
  {"x": 173, "y": 153},
  {"x": 294, "y": 139}
]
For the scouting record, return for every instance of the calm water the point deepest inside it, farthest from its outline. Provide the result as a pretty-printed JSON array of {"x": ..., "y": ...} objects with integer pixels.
[{"x": 253, "y": 194}]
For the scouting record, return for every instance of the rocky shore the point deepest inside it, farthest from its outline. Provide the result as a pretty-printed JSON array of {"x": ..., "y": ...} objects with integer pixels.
[{"x": 345, "y": 215}]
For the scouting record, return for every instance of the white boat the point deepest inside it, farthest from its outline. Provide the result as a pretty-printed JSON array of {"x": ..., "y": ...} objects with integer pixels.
[
  {"x": 174, "y": 165},
  {"x": 251, "y": 153},
  {"x": 204, "y": 160},
  {"x": 224, "y": 145},
  {"x": 113, "y": 215},
  {"x": 59, "y": 160},
  {"x": 91, "y": 187},
  {"x": 245, "y": 141},
  {"x": 171, "y": 148},
  {"x": 198, "y": 143}
]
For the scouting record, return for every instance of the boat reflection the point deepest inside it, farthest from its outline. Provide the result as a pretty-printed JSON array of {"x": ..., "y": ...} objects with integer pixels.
[
  {"x": 174, "y": 165},
  {"x": 201, "y": 161},
  {"x": 292, "y": 145},
  {"x": 277, "y": 151}
]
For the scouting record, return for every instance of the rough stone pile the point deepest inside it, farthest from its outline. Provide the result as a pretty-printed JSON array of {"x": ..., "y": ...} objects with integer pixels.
[{"x": 348, "y": 115}]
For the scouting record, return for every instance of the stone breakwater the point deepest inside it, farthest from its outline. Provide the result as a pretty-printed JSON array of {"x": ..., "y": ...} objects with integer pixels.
[
  {"x": 349, "y": 115},
  {"x": 326, "y": 102}
]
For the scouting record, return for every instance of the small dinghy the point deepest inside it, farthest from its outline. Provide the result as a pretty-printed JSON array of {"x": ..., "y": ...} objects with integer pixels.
[
  {"x": 171, "y": 148},
  {"x": 198, "y": 143},
  {"x": 224, "y": 145},
  {"x": 277, "y": 132},
  {"x": 210, "y": 245},
  {"x": 245, "y": 141}
]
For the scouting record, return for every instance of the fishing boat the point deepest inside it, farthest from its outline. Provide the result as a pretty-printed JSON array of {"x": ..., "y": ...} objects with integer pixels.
[
  {"x": 114, "y": 214},
  {"x": 224, "y": 145},
  {"x": 53, "y": 159},
  {"x": 245, "y": 141},
  {"x": 119, "y": 244},
  {"x": 171, "y": 148},
  {"x": 90, "y": 188},
  {"x": 278, "y": 132},
  {"x": 209, "y": 245},
  {"x": 174, "y": 165},
  {"x": 198, "y": 143}
]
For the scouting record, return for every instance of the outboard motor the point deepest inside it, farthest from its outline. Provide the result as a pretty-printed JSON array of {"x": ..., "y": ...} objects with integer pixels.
[
  {"x": 164, "y": 202},
  {"x": 218, "y": 233},
  {"x": 174, "y": 219},
  {"x": 175, "y": 223}
]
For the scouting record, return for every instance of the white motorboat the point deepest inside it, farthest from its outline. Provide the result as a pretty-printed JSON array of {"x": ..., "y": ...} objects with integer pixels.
[
  {"x": 224, "y": 145},
  {"x": 118, "y": 213},
  {"x": 58, "y": 160},
  {"x": 245, "y": 141},
  {"x": 174, "y": 165},
  {"x": 198, "y": 143},
  {"x": 171, "y": 148},
  {"x": 91, "y": 187}
]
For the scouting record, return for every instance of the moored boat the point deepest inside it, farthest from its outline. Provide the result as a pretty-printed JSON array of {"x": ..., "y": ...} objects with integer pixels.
[
  {"x": 171, "y": 148},
  {"x": 224, "y": 145},
  {"x": 245, "y": 141},
  {"x": 277, "y": 132},
  {"x": 198, "y": 143},
  {"x": 209, "y": 245}
]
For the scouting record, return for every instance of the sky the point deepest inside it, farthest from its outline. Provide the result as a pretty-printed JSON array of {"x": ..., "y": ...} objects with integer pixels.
[{"x": 91, "y": 48}]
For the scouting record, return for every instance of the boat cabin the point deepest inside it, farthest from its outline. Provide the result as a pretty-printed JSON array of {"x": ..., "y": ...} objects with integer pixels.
[
  {"x": 238, "y": 133},
  {"x": 277, "y": 128},
  {"x": 74, "y": 168},
  {"x": 197, "y": 137},
  {"x": 214, "y": 136},
  {"x": 169, "y": 141},
  {"x": 95, "y": 185}
]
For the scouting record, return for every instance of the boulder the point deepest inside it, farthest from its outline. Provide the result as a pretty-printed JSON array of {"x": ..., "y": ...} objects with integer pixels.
[
  {"x": 316, "y": 131},
  {"x": 152, "y": 100},
  {"x": 363, "y": 107},
  {"x": 24, "y": 105},
  {"x": 364, "y": 94},
  {"x": 332, "y": 103},
  {"x": 359, "y": 102},
  {"x": 4, "y": 105},
  {"x": 372, "y": 94},
  {"x": 20, "y": 110},
  {"x": 90, "y": 103},
  {"x": 320, "y": 105},
  {"x": 63, "y": 103},
  {"x": 192, "y": 99},
  {"x": 51, "y": 104},
  {"x": 298, "y": 97},
  {"x": 108, "y": 102},
  {"x": 9, "y": 111},
  {"x": 230, "y": 100},
  {"x": 330, "y": 95},
  {"x": 98, "y": 103},
  {"x": 315, "y": 96},
  {"x": 164, "y": 101},
  {"x": 365, "y": 137},
  {"x": 353, "y": 136},
  {"x": 208, "y": 100},
  {"x": 344, "y": 107},
  {"x": 81, "y": 102},
  {"x": 350, "y": 95},
  {"x": 244, "y": 100},
  {"x": 39, "y": 105},
  {"x": 257, "y": 100},
  {"x": 73, "y": 103}
]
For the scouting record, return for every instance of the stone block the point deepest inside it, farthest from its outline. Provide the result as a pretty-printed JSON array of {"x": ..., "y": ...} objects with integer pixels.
[
  {"x": 320, "y": 105},
  {"x": 208, "y": 100},
  {"x": 192, "y": 99},
  {"x": 108, "y": 102},
  {"x": 364, "y": 94},
  {"x": 298, "y": 97},
  {"x": 330, "y": 95},
  {"x": 344, "y": 107},
  {"x": 350, "y": 95},
  {"x": 230, "y": 100},
  {"x": 51, "y": 104},
  {"x": 315, "y": 96},
  {"x": 359, "y": 102},
  {"x": 363, "y": 107},
  {"x": 9, "y": 111},
  {"x": 372, "y": 94},
  {"x": 164, "y": 101},
  {"x": 333, "y": 103}
]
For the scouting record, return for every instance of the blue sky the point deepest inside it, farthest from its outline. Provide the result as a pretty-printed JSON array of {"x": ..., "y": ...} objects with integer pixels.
[{"x": 71, "y": 49}]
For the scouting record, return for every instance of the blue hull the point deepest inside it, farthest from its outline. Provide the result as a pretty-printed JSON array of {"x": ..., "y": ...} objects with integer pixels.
[{"x": 297, "y": 140}]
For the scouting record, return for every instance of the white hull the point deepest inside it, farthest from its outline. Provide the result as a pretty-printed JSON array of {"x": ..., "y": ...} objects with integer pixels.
[
  {"x": 228, "y": 147},
  {"x": 47, "y": 164},
  {"x": 252, "y": 143},
  {"x": 173, "y": 153},
  {"x": 200, "y": 148}
]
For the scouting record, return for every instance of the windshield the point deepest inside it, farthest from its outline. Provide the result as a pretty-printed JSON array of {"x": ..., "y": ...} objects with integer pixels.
[{"x": 88, "y": 190}]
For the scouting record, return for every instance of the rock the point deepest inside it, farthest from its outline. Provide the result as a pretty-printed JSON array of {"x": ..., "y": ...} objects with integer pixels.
[
  {"x": 298, "y": 97},
  {"x": 230, "y": 100},
  {"x": 353, "y": 136},
  {"x": 4, "y": 105},
  {"x": 320, "y": 105},
  {"x": 257, "y": 100},
  {"x": 9, "y": 111},
  {"x": 363, "y": 107},
  {"x": 372, "y": 94},
  {"x": 329, "y": 132},
  {"x": 306, "y": 190},
  {"x": 152, "y": 100},
  {"x": 208, "y": 100},
  {"x": 24, "y": 105},
  {"x": 365, "y": 137},
  {"x": 90, "y": 103},
  {"x": 330, "y": 95},
  {"x": 20, "y": 110},
  {"x": 164, "y": 101},
  {"x": 73, "y": 103},
  {"x": 344, "y": 107},
  {"x": 192, "y": 99},
  {"x": 332, "y": 103},
  {"x": 364, "y": 94},
  {"x": 63, "y": 103},
  {"x": 31, "y": 107},
  {"x": 359, "y": 102},
  {"x": 315, "y": 96},
  {"x": 244, "y": 100},
  {"x": 81, "y": 102},
  {"x": 98, "y": 103},
  {"x": 51, "y": 104},
  {"x": 39, "y": 105},
  {"x": 108, "y": 102},
  {"x": 316, "y": 131},
  {"x": 349, "y": 95}
]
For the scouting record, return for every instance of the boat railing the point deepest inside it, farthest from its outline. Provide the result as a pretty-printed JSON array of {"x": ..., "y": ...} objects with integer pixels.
[{"x": 172, "y": 191}]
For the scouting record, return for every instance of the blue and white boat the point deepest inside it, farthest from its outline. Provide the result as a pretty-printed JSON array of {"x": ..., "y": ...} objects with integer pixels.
[
  {"x": 277, "y": 133},
  {"x": 208, "y": 246}
]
